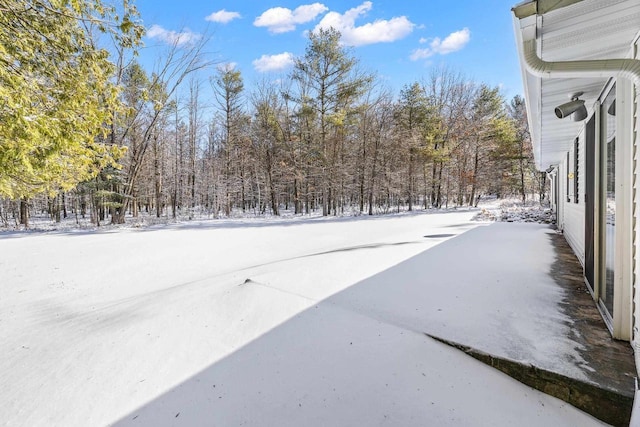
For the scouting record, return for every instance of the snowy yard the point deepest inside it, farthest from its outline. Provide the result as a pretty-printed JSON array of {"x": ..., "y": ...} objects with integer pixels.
[{"x": 245, "y": 322}]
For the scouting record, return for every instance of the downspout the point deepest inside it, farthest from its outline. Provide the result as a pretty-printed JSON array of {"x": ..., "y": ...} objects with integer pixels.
[
  {"x": 626, "y": 68},
  {"x": 599, "y": 68}
]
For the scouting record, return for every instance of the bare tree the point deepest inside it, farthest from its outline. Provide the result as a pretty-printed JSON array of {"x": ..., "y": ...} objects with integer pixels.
[{"x": 144, "y": 113}]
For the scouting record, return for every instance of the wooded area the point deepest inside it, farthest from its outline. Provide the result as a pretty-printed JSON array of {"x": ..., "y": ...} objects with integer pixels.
[{"x": 93, "y": 134}]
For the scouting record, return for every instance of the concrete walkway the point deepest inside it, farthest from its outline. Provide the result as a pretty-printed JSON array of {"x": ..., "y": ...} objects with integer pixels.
[
  {"x": 604, "y": 386},
  {"x": 512, "y": 295}
]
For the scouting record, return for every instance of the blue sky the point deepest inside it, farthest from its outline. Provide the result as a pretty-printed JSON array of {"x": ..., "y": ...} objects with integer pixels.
[{"x": 399, "y": 40}]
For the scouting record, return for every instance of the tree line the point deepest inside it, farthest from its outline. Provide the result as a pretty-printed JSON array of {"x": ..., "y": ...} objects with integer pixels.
[{"x": 116, "y": 140}]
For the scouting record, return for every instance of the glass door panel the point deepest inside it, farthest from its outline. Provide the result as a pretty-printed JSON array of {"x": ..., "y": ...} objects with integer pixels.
[{"x": 608, "y": 216}]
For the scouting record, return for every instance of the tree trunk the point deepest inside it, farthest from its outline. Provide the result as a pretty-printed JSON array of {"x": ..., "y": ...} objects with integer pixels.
[
  {"x": 24, "y": 212},
  {"x": 64, "y": 206},
  {"x": 410, "y": 189},
  {"x": 424, "y": 185},
  {"x": 272, "y": 190},
  {"x": 242, "y": 190},
  {"x": 325, "y": 194},
  {"x": 372, "y": 179},
  {"x": 523, "y": 191},
  {"x": 157, "y": 179},
  {"x": 296, "y": 197},
  {"x": 434, "y": 172},
  {"x": 474, "y": 180},
  {"x": 439, "y": 186},
  {"x": 56, "y": 207}
]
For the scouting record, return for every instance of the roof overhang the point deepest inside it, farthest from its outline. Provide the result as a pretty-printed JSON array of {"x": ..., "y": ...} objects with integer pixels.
[
  {"x": 568, "y": 32},
  {"x": 540, "y": 7}
]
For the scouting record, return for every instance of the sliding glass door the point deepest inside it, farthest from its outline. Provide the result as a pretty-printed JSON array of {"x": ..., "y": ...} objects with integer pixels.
[{"x": 608, "y": 198}]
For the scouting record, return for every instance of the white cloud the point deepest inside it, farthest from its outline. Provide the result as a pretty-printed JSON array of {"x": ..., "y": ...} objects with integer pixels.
[
  {"x": 173, "y": 37},
  {"x": 452, "y": 43},
  {"x": 374, "y": 32},
  {"x": 421, "y": 54},
  {"x": 281, "y": 20},
  {"x": 222, "y": 16},
  {"x": 273, "y": 62},
  {"x": 308, "y": 12},
  {"x": 422, "y": 40}
]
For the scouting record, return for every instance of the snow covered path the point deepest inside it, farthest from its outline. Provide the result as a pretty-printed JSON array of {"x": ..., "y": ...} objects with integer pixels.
[{"x": 236, "y": 323}]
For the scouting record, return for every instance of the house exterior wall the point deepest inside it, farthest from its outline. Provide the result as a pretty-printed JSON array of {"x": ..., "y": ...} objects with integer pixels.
[
  {"x": 635, "y": 207},
  {"x": 573, "y": 213},
  {"x": 579, "y": 49}
]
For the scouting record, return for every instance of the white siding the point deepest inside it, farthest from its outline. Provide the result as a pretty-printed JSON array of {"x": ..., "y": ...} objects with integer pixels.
[
  {"x": 574, "y": 229},
  {"x": 635, "y": 218}
]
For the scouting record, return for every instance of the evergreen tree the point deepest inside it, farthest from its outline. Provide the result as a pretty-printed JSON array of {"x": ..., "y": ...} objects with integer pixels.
[
  {"x": 55, "y": 92},
  {"x": 327, "y": 74}
]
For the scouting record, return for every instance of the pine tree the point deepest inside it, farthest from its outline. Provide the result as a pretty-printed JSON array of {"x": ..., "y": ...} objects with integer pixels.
[{"x": 327, "y": 72}]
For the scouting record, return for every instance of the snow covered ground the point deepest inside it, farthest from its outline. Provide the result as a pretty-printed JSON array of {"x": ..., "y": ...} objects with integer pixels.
[
  {"x": 248, "y": 322},
  {"x": 514, "y": 210}
]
